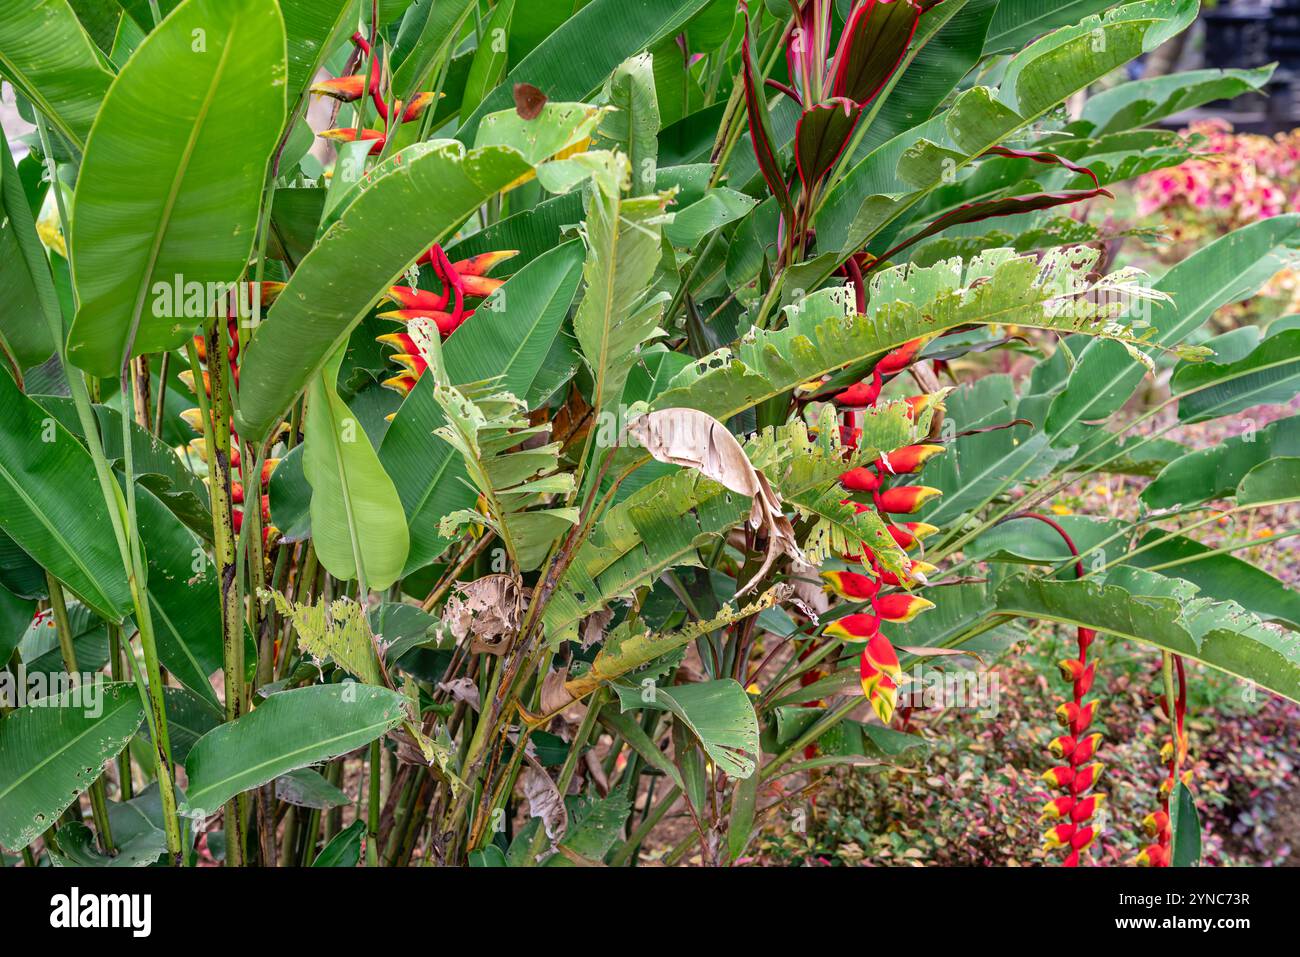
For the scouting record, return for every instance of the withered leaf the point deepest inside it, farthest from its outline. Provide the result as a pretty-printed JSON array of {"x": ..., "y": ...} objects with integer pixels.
[
  {"x": 486, "y": 610},
  {"x": 545, "y": 801},
  {"x": 695, "y": 439}
]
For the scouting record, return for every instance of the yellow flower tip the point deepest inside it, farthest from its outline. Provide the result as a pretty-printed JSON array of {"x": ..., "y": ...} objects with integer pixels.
[{"x": 1062, "y": 510}]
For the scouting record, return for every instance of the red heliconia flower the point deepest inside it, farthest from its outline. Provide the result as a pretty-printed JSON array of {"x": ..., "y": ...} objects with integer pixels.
[
  {"x": 349, "y": 89},
  {"x": 918, "y": 404},
  {"x": 860, "y": 479},
  {"x": 416, "y": 363},
  {"x": 905, "y": 499},
  {"x": 859, "y": 627},
  {"x": 402, "y": 384},
  {"x": 479, "y": 265},
  {"x": 446, "y": 322},
  {"x": 859, "y": 394},
  {"x": 900, "y": 606},
  {"x": 346, "y": 89},
  {"x": 1154, "y": 855},
  {"x": 407, "y": 297},
  {"x": 851, "y": 586},
  {"x": 1172, "y": 754},
  {"x": 906, "y": 460},
  {"x": 878, "y": 672},
  {"x": 399, "y": 341},
  {"x": 1076, "y": 717},
  {"x": 902, "y": 357},
  {"x": 349, "y": 134}
]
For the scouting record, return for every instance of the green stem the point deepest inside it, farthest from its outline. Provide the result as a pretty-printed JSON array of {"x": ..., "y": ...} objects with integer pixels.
[
  {"x": 98, "y": 805},
  {"x": 127, "y": 538}
]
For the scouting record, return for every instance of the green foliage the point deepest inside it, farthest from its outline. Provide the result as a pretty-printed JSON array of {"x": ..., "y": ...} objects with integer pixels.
[{"x": 481, "y": 574}]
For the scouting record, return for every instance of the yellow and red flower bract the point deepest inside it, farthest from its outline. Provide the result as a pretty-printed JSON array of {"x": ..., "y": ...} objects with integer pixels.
[
  {"x": 851, "y": 586},
  {"x": 860, "y": 479},
  {"x": 878, "y": 672},
  {"x": 905, "y": 499},
  {"x": 859, "y": 627},
  {"x": 445, "y": 310},
  {"x": 350, "y": 134},
  {"x": 910, "y": 534},
  {"x": 907, "y": 460},
  {"x": 900, "y": 606}
]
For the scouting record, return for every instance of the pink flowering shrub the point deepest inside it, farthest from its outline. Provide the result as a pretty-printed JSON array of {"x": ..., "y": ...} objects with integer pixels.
[{"x": 1239, "y": 178}]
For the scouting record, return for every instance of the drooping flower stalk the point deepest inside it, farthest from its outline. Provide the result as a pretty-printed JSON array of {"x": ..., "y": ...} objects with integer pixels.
[
  {"x": 1074, "y": 808},
  {"x": 878, "y": 665}
]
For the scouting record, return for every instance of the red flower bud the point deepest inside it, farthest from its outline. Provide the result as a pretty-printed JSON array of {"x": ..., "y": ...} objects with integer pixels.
[
  {"x": 860, "y": 479},
  {"x": 851, "y": 586},
  {"x": 859, "y": 394},
  {"x": 1085, "y": 777},
  {"x": 1156, "y": 824},
  {"x": 915, "y": 575},
  {"x": 1085, "y": 808},
  {"x": 402, "y": 384},
  {"x": 1153, "y": 855},
  {"x": 907, "y": 460},
  {"x": 1057, "y": 808},
  {"x": 859, "y": 627},
  {"x": 900, "y": 607},
  {"x": 878, "y": 670},
  {"x": 480, "y": 265},
  {"x": 446, "y": 322},
  {"x": 900, "y": 358},
  {"x": 348, "y": 134},
  {"x": 905, "y": 499}
]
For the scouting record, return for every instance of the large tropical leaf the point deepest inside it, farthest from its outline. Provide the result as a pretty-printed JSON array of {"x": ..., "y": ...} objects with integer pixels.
[
  {"x": 512, "y": 467},
  {"x": 161, "y": 199},
  {"x": 50, "y": 504},
  {"x": 1214, "y": 472},
  {"x": 510, "y": 336},
  {"x": 1019, "y": 22},
  {"x": 51, "y": 752},
  {"x": 866, "y": 203},
  {"x": 822, "y": 336},
  {"x": 311, "y": 28},
  {"x": 49, "y": 59},
  {"x": 393, "y": 221},
  {"x": 569, "y": 63},
  {"x": 1268, "y": 375},
  {"x": 357, "y": 523},
  {"x": 616, "y": 315},
  {"x": 1165, "y": 612},
  {"x": 291, "y": 729},
  {"x": 1230, "y": 269},
  {"x": 719, "y": 713},
  {"x": 26, "y": 286},
  {"x": 1141, "y": 102}
]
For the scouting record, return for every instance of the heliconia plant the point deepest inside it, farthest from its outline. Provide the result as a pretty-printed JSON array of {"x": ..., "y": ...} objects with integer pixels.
[{"x": 603, "y": 446}]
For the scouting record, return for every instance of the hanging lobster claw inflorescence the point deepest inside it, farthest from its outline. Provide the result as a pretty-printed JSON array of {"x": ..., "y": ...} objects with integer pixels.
[{"x": 878, "y": 665}]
